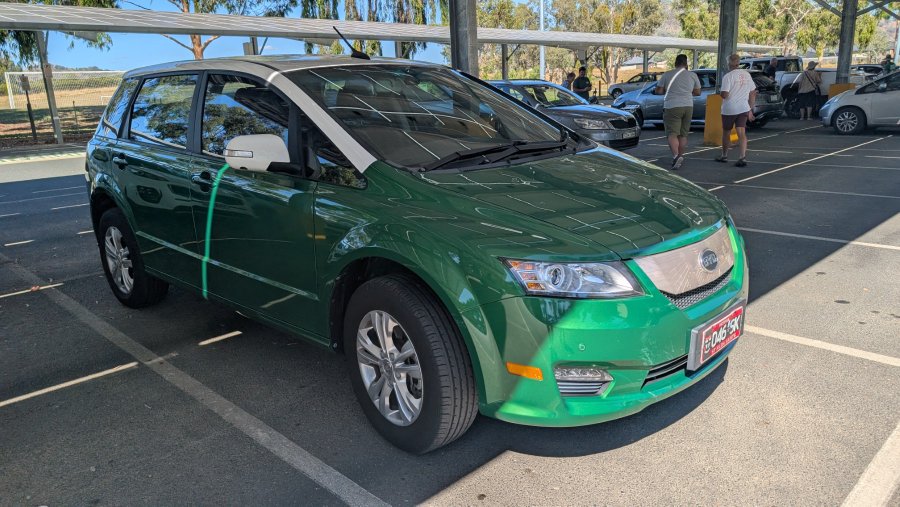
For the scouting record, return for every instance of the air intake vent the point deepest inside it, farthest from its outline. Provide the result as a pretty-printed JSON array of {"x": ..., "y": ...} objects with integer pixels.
[
  {"x": 666, "y": 369},
  {"x": 623, "y": 123},
  {"x": 694, "y": 296}
]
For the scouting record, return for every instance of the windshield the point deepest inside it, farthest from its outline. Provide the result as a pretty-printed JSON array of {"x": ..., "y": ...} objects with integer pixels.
[
  {"x": 551, "y": 96},
  {"x": 413, "y": 116}
]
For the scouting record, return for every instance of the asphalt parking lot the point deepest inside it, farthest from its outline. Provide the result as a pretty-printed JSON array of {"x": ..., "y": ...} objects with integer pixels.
[{"x": 100, "y": 404}]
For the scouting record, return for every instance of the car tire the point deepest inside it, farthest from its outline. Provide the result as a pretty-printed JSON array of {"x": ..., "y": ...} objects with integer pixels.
[
  {"x": 848, "y": 120},
  {"x": 615, "y": 93},
  {"x": 638, "y": 117},
  {"x": 792, "y": 107},
  {"x": 123, "y": 264},
  {"x": 417, "y": 324}
]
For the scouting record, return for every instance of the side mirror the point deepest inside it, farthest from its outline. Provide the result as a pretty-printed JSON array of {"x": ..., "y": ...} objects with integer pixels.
[
  {"x": 256, "y": 152},
  {"x": 882, "y": 86}
]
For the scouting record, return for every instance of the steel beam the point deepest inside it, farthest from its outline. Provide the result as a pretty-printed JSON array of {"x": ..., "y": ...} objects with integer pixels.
[
  {"x": 695, "y": 59},
  {"x": 728, "y": 27},
  {"x": 877, "y": 5},
  {"x": 845, "y": 48},
  {"x": 828, "y": 6},
  {"x": 504, "y": 61},
  {"x": 646, "y": 61},
  {"x": 47, "y": 72},
  {"x": 464, "y": 36}
]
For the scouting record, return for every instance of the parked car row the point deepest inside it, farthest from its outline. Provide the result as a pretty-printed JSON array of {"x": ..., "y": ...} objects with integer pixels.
[
  {"x": 876, "y": 104},
  {"x": 647, "y": 106},
  {"x": 466, "y": 252}
]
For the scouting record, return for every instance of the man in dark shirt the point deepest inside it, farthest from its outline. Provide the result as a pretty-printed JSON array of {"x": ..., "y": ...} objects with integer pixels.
[
  {"x": 772, "y": 68},
  {"x": 582, "y": 85}
]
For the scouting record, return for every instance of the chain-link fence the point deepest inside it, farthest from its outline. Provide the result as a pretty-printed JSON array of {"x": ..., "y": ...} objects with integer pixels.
[{"x": 81, "y": 97}]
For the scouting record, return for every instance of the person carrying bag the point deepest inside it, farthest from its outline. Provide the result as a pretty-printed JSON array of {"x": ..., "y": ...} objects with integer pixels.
[
  {"x": 809, "y": 90},
  {"x": 678, "y": 106}
]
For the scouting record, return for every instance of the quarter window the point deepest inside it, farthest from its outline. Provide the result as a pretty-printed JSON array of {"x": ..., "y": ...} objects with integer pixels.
[
  {"x": 327, "y": 162},
  {"x": 237, "y": 106},
  {"x": 115, "y": 111},
  {"x": 162, "y": 110}
]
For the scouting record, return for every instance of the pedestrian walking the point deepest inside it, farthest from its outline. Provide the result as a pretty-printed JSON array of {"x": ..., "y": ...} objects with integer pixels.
[
  {"x": 808, "y": 90},
  {"x": 739, "y": 96},
  {"x": 680, "y": 86},
  {"x": 582, "y": 85},
  {"x": 772, "y": 68},
  {"x": 567, "y": 82}
]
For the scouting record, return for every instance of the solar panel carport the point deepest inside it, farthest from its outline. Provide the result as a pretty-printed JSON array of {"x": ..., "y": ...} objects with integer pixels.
[{"x": 16, "y": 16}]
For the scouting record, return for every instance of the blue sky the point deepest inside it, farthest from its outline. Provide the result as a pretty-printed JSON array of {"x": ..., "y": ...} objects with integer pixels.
[{"x": 129, "y": 51}]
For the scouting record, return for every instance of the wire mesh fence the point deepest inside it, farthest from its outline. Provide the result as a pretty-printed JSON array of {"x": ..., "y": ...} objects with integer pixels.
[{"x": 81, "y": 97}]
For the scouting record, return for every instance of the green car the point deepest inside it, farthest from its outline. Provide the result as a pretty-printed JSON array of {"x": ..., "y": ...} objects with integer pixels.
[{"x": 465, "y": 253}]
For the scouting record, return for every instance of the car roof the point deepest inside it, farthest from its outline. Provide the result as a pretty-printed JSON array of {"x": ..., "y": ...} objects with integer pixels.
[
  {"x": 522, "y": 81},
  {"x": 280, "y": 63}
]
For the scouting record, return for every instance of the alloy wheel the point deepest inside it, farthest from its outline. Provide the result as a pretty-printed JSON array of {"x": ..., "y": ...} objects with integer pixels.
[
  {"x": 118, "y": 259},
  {"x": 390, "y": 367},
  {"x": 846, "y": 121}
]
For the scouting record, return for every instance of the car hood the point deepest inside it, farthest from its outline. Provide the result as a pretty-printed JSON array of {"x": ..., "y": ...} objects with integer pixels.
[
  {"x": 583, "y": 111},
  {"x": 631, "y": 96},
  {"x": 612, "y": 199}
]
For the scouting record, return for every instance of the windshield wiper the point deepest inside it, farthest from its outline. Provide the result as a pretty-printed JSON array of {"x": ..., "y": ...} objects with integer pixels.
[{"x": 468, "y": 154}]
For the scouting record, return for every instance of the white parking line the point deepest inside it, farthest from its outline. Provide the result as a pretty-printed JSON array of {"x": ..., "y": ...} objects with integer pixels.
[
  {"x": 219, "y": 338},
  {"x": 58, "y": 189},
  {"x": 9, "y": 215},
  {"x": 86, "y": 232},
  {"x": 72, "y": 206},
  {"x": 879, "y": 481},
  {"x": 845, "y": 166},
  {"x": 26, "y": 291},
  {"x": 70, "y": 383},
  {"x": 878, "y": 156},
  {"x": 840, "y": 349},
  {"x": 801, "y": 190},
  {"x": 820, "y": 238},
  {"x": 748, "y": 140},
  {"x": 20, "y": 242},
  {"x": 810, "y": 160},
  {"x": 344, "y": 488},
  {"x": 42, "y": 198}
]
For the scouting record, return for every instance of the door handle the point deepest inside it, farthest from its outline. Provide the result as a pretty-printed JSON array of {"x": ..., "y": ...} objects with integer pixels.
[
  {"x": 203, "y": 180},
  {"x": 100, "y": 155},
  {"x": 119, "y": 160}
]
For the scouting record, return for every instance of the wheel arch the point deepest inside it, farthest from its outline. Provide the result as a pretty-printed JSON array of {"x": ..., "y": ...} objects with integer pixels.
[
  {"x": 859, "y": 110},
  {"x": 481, "y": 350}
]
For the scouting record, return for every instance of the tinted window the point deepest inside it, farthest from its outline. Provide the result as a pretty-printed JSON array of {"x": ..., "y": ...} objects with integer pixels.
[
  {"x": 636, "y": 79},
  {"x": 707, "y": 79},
  {"x": 550, "y": 96},
  {"x": 516, "y": 93},
  {"x": 115, "y": 111},
  {"x": 893, "y": 82},
  {"x": 789, "y": 66},
  {"x": 237, "y": 106},
  {"x": 412, "y": 115},
  {"x": 325, "y": 160},
  {"x": 162, "y": 110}
]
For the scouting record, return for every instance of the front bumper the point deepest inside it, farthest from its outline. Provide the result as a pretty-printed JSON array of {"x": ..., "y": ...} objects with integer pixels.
[
  {"x": 614, "y": 138},
  {"x": 625, "y": 337}
]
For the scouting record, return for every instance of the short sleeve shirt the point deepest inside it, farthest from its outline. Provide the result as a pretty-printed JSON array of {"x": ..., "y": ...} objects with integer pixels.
[
  {"x": 582, "y": 82},
  {"x": 680, "y": 89},
  {"x": 738, "y": 83}
]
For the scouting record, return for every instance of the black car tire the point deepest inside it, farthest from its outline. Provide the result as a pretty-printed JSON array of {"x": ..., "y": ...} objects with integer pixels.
[
  {"x": 638, "y": 117},
  {"x": 146, "y": 290},
  {"x": 848, "y": 120},
  {"x": 449, "y": 401}
]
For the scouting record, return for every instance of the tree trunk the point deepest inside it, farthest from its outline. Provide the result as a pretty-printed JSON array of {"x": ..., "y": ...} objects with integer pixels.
[{"x": 197, "y": 47}]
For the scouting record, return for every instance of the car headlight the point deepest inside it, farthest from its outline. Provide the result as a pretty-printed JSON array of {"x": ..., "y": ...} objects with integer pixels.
[
  {"x": 629, "y": 107},
  {"x": 589, "y": 124},
  {"x": 575, "y": 279}
]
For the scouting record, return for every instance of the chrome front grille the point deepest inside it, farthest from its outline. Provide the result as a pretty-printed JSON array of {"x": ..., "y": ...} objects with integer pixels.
[
  {"x": 694, "y": 296},
  {"x": 581, "y": 388},
  {"x": 666, "y": 369},
  {"x": 681, "y": 270}
]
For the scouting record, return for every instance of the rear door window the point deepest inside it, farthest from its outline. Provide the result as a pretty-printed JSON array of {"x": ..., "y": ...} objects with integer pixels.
[
  {"x": 237, "y": 106},
  {"x": 162, "y": 110},
  {"x": 115, "y": 111}
]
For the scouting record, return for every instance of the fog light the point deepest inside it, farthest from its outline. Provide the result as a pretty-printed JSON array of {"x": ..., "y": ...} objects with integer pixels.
[{"x": 582, "y": 381}]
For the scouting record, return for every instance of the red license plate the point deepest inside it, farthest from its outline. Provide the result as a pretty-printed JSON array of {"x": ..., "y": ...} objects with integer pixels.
[{"x": 711, "y": 338}]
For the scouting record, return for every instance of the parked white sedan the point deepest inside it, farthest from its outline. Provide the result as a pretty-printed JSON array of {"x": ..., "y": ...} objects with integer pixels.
[{"x": 876, "y": 104}]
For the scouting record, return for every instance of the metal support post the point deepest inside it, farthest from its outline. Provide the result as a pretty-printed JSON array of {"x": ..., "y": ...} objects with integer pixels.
[
  {"x": 47, "y": 72},
  {"x": 504, "y": 61},
  {"x": 897, "y": 45},
  {"x": 646, "y": 61},
  {"x": 695, "y": 59},
  {"x": 845, "y": 48},
  {"x": 728, "y": 25},
  {"x": 464, "y": 36},
  {"x": 398, "y": 49},
  {"x": 543, "y": 64}
]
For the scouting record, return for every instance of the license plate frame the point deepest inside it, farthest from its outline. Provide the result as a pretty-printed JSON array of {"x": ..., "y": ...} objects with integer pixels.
[
  {"x": 699, "y": 354},
  {"x": 629, "y": 134}
]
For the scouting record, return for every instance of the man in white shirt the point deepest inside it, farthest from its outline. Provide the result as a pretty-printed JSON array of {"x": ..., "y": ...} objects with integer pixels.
[
  {"x": 738, "y": 97},
  {"x": 679, "y": 86}
]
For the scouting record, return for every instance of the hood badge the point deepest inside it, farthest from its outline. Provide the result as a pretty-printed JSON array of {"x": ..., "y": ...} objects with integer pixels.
[{"x": 709, "y": 260}]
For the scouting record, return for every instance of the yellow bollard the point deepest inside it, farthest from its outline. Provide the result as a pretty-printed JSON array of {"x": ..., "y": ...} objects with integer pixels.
[
  {"x": 712, "y": 131},
  {"x": 837, "y": 88}
]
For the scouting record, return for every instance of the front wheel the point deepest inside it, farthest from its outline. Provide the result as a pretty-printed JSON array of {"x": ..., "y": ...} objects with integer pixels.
[
  {"x": 123, "y": 265},
  {"x": 848, "y": 121},
  {"x": 408, "y": 364}
]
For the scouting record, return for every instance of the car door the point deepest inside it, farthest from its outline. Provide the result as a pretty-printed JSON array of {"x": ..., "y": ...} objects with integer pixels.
[
  {"x": 885, "y": 105},
  {"x": 258, "y": 235},
  {"x": 651, "y": 104},
  {"x": 707, "y": 87},
  {"x": 153, "y": 162}
]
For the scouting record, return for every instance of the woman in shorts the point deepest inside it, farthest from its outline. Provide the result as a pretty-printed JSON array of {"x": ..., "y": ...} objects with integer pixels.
[{"x": 808, "y": 90}]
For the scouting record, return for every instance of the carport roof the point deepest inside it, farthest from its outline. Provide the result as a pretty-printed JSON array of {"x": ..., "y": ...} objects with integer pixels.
[{"x": 16, "y": 16}]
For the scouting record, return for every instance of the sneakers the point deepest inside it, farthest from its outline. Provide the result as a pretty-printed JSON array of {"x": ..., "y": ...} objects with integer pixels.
[
  {"x": 741, "y": 163},
  {"x": 721, "y": 158},
  {"x": 677, "y": 162}
]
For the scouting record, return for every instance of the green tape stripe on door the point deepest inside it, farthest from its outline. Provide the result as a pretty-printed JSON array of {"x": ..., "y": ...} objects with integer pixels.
[{"x": 209, "y": 218}]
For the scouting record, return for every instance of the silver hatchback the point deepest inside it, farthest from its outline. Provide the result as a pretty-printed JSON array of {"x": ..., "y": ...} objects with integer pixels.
[{"x": 876, "y": 104}]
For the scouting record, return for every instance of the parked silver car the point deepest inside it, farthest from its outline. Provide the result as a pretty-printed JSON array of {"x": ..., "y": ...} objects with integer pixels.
[
  {"x": 876, "y": 104},
  {"x": 635, "y": 83}
]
